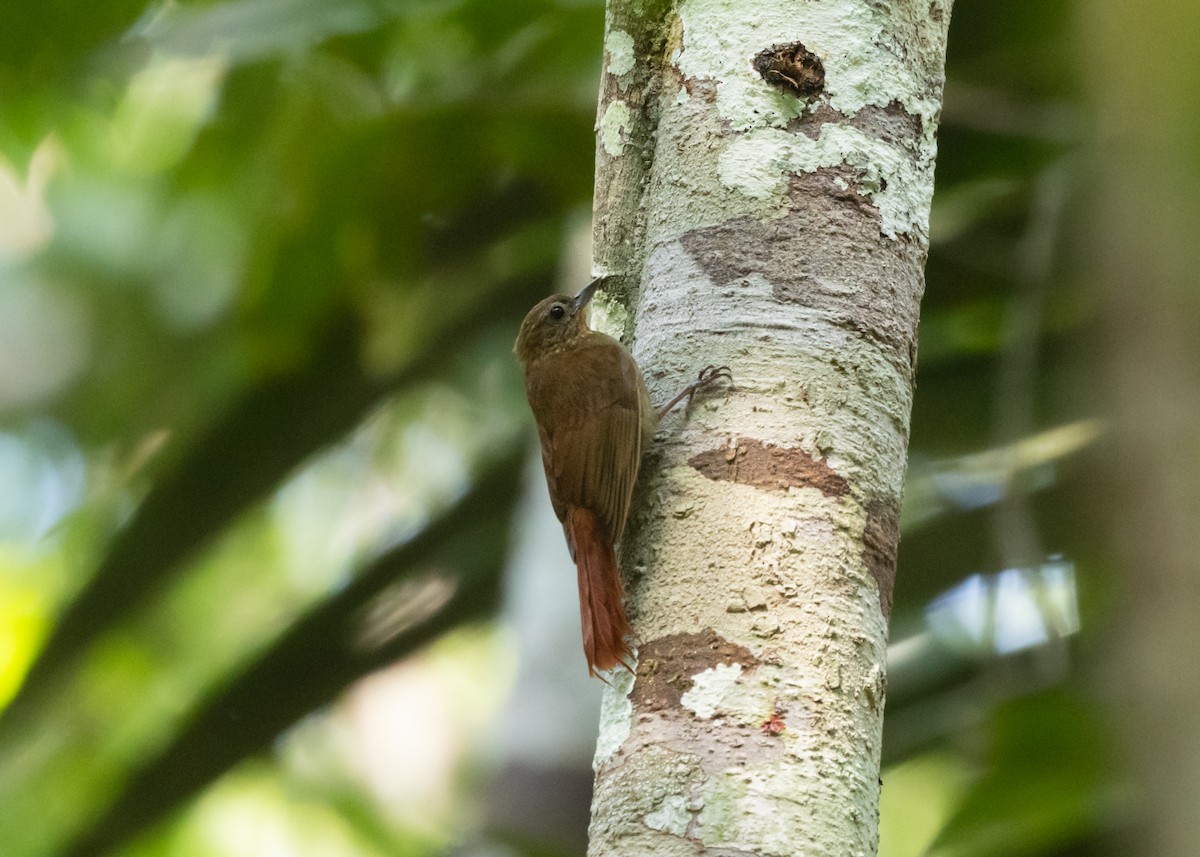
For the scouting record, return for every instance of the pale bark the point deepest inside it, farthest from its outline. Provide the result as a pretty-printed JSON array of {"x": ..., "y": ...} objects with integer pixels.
[{"x": 783, "y": 235}]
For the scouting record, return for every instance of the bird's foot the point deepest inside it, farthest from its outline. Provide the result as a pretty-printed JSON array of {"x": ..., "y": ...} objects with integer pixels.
[{"x": 708, "y": 375}]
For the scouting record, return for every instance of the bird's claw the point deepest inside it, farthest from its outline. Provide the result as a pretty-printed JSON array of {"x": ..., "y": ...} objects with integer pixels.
[{"x": 709, "y": 375}]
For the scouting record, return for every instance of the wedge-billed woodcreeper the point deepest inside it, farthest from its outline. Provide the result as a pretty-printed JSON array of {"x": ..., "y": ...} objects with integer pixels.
[{"x": 594, "y": 418}]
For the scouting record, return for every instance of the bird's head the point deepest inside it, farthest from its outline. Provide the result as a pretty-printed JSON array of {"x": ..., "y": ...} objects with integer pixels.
[{"x": 554, "y": 323}]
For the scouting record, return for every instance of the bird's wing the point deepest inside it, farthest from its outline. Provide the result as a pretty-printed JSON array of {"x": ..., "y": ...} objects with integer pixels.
[{"x": 591, "y": 428}]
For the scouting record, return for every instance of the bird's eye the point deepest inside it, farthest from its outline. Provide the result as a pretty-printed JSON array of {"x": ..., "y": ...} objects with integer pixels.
[{"x": 557, "y": 312}]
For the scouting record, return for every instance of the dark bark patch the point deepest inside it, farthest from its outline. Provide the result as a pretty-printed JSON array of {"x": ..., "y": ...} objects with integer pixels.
[
  {"x": 881, "y": 537},
  {"x": 842, "y": 185},
  {"x": 867, "y": 284},
  {"x": 770, "y": 468},
  {"x": 666, "y": 666},
  {"x": 793, "y": 68},
  {"x": 809, "y": 123},
  {"x": 892, "y": 124}
]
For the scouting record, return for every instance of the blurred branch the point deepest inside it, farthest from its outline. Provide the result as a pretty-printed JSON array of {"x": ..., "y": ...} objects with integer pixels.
[
  {"x": 248, "y": 30},
  {"x": 247, "y": 453},
  {"x": 1016, "y": 538},
  {"x": 979, "y": 479},
  {"x": 466, "y": 546},
  {"x": 260, "y": 439}
]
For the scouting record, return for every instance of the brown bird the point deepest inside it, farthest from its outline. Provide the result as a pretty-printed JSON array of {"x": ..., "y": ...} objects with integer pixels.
[{"x": 594, "y": 418}]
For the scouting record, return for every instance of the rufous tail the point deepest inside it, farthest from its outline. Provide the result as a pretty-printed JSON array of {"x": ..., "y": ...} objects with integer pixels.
[{"x": 601, "y": 602}]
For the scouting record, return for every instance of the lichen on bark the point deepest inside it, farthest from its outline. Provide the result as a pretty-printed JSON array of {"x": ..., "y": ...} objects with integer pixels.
[{"x": 780, "y": 231}]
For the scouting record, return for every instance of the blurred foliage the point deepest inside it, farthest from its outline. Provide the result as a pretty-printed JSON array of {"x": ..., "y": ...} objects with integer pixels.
[{"x": 261, "y": 262}]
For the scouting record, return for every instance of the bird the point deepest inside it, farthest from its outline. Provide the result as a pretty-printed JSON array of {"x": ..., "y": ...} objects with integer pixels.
[{"x": 594, "y": 418}]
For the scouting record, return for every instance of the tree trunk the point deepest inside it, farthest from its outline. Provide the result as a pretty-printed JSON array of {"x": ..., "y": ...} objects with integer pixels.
[
  {"x": 1144, "y": 210},
  {"x": 764, "y": 172}
]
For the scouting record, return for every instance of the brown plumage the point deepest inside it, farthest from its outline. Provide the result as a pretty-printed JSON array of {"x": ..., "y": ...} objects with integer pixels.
[{"x": 594, "y": 418}]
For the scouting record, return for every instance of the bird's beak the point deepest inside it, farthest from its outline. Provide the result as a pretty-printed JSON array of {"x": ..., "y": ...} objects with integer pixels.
[{"x": 585, "y": 294}]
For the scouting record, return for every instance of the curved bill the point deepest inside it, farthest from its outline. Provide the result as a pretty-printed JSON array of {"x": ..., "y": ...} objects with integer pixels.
[{"x": 585, "y": 294}]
